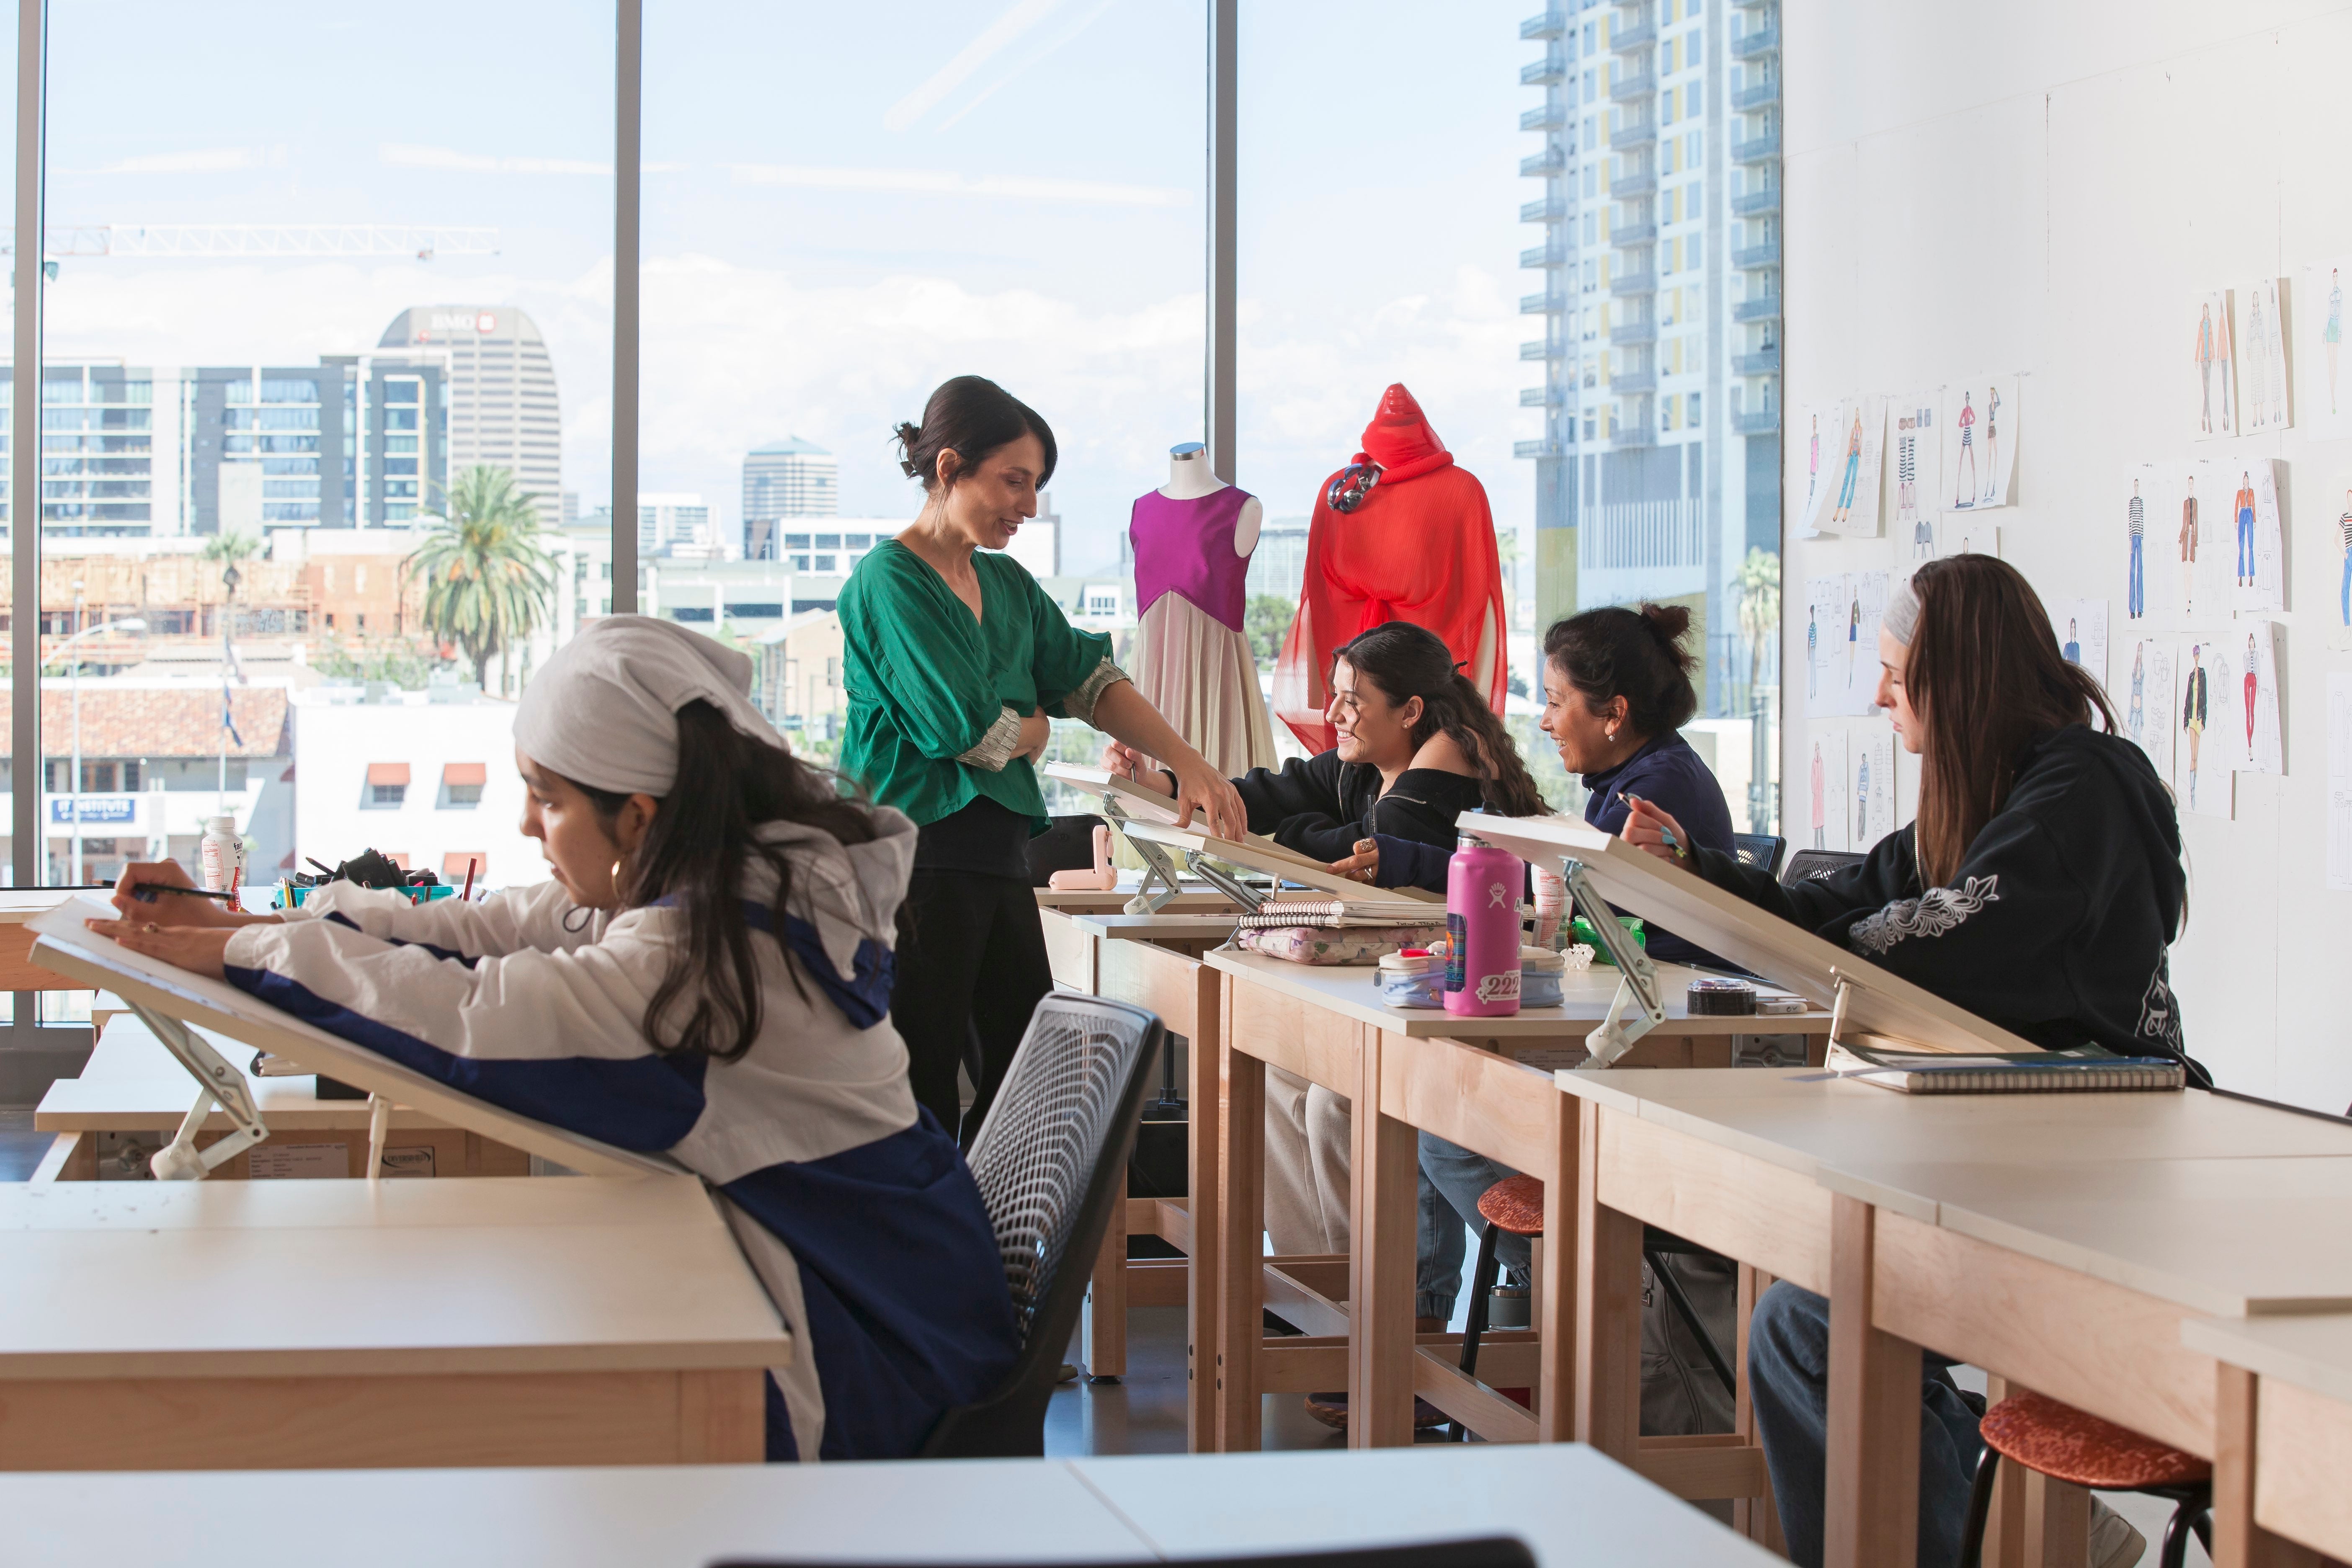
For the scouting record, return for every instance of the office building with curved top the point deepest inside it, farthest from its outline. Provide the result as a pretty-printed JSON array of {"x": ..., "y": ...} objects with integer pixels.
[{"x": 503, "y": 411}]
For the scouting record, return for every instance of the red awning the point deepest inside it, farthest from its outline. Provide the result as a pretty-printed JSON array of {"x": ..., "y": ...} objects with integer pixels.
[
  {"x": 387, "y": 772},
  {"x": 474, "y": 773}
]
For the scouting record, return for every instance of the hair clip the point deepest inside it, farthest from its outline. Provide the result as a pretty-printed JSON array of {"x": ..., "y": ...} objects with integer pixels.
[{"x": 908, "y": 463}]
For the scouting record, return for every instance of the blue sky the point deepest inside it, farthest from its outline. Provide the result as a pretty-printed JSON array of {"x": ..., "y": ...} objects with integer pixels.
[{"x": 840, "y": 213}]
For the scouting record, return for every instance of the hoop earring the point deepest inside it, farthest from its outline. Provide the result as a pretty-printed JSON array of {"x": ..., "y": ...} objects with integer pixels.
[{"x": 616, "y": 876}]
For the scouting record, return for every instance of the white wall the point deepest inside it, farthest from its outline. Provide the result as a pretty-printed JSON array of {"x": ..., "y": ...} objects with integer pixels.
[
  {"x": 2016, "y": 185},
  {"x": 334, "y": 743}
]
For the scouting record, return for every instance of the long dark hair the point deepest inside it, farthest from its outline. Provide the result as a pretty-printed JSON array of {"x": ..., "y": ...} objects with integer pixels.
[
  {"x": 1406, "y": 661},
  {"x": 695, "y": 855},
  {"x": 971, "y": 417},
  {"x": 1637, "y": 655},
  {"x": 1986, "y": 679}
]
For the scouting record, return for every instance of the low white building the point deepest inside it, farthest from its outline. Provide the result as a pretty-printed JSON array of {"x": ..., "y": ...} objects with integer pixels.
[{"x": 430, "y": 783}]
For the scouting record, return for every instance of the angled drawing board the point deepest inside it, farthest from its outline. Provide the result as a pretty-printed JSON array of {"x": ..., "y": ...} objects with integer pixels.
[
  {"x": 67, "y": 947},
  {"x": 1133, "y": 803},
  {"x": 1874, "y": 1006},
  {"x": 1274, "y": 861}
]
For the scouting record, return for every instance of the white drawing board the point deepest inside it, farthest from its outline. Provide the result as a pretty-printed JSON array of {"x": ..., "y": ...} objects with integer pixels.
[
  {"x": 1878, "y": 1004},
  {"x": 1288, "y": 865},
  {"x": 1149, "y": 806},
  {"x": 72, "y": 949}
]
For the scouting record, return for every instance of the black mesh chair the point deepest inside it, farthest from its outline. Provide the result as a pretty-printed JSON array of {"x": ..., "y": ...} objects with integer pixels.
[
  {"x": 1051, "y": 1161},
  {"x": 1477, "y": 1552},
  {"x": 1807, "y": 863},
  {"x": 1761, "y": 851}
]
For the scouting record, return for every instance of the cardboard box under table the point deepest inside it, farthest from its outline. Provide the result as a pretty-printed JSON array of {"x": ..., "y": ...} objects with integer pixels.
[
  {"x": 2058, "y": 1241},
  {"x": 188, "y": 1324}
]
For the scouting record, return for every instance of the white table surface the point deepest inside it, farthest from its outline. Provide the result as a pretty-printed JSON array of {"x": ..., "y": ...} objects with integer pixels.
[
  {"x": 2312, "y": 1353},
  {"x": 310, "y": 1278},
  {"x": 131, "y": 1083},
  {"x": 1585, "y": 997},
  {"x": 1575, "y": 1509},
  {"x": 2212, "y": 1204},
  {"x": 1143, "y": 928}
]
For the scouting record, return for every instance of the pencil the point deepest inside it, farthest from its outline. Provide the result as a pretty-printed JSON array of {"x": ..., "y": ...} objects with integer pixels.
[{"x": 145, "y": 892}]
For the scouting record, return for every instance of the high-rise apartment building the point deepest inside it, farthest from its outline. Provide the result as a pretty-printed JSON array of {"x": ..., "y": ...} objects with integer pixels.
[
  {"x": 503, "y": 411},
  {"x": 790, "y": 478},
  {"x": 1659, "y": 464},
  {"x": 676, "y": 524},
  {"x": 153, "y": 452}
]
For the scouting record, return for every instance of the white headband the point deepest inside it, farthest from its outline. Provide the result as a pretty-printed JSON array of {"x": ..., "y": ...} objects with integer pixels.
[
  {"x": 604, "y": 712},
  {"x": 1901, "y": 620}
]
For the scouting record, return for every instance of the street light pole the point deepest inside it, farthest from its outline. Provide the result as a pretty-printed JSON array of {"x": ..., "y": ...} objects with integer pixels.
[{"x": 74, "y": 784}]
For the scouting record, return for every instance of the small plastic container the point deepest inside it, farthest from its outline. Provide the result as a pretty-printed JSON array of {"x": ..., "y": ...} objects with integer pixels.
[
  {"x": 1720, "y": 998},
  {"x": 1412, "y": 978},
  {"x": 1540, "y": 977}
]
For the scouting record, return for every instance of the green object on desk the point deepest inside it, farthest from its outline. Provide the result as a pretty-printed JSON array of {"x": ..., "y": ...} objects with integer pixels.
[{"x": 1580, "y": 929}]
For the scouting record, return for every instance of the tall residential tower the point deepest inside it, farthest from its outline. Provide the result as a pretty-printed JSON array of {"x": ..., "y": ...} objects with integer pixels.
[{"x": 503, "y": 412}]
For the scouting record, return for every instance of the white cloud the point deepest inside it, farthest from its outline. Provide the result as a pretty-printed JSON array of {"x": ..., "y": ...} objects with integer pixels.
[
  {"x": 401, "y": 155},
  {"x": 939, "y": 181},
  {"x": 199, "y": 161},
  {"x": 1017, "y": 20}
]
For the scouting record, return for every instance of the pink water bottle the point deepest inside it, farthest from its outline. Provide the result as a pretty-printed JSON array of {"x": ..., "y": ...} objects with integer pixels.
[{"x": 1482, "y": 925}]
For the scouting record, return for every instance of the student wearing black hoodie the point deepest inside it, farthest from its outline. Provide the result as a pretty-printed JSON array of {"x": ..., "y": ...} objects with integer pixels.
[{"x": 2039, "y": 889}]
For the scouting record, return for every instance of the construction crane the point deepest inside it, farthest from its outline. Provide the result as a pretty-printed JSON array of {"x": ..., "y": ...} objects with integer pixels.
[{"x": 423, "y": 241}]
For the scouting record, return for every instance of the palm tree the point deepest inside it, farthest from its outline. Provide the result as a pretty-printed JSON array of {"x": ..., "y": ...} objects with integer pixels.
[
  {"x": 1759, "y": 606},
  {"x": 488, "y": 580}
]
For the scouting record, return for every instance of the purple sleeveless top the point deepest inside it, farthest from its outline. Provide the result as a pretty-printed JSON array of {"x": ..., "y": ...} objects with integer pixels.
[{"x": 1187, "y": 547}]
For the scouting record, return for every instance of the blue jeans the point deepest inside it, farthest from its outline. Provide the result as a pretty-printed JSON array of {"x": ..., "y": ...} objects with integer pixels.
[
  {"x": 1788, "y": 1382},
  {"x": 2344, "y": 594},
  {"x": 2245, "y": 544},
  {"x": 1458, "y": 1178},
  {"x": 2137, "y": 600}
]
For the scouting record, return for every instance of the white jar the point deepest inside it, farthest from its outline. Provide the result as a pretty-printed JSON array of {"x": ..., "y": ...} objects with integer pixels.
[{"x": 218, "y": 853}]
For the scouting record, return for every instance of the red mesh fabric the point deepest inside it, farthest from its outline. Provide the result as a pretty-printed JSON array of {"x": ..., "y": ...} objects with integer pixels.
[
  {"x": 2062, "y": 1442},
  {"x": 1515, "y": 1202}
]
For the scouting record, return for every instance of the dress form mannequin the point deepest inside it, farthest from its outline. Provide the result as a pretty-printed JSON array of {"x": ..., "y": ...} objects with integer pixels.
[{"x": 1192, "y": 662}]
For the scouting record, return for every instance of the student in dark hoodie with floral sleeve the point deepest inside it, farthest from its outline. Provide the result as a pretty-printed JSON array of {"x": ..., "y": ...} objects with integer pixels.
[{"x": 2039, "y": 889}]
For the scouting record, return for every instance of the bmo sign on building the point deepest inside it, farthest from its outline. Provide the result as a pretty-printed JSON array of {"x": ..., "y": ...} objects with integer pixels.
[{"x": 504, "y": 411}]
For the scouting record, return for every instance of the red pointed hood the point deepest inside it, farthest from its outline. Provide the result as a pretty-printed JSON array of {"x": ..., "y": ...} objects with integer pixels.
[{"x": 1399, "y": 440}]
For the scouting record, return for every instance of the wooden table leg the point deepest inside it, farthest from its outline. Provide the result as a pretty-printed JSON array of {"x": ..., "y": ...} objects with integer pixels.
[
  {"x": 1756, "y": 1517},
  {"x": 1237, "y": 1237},
  {"x": 1873, "y": 1493},
  {"x": 2057, "y": 1522},
  {"x": 1554, "y": 1286},
  {"x": 2237, "y": 1541},
  {"x": 1203, "y": 1090},
  {"x": 1607, "y": 1393},
  {"x": 1383, "y": 1220},
  {"x": 2004, "y": 1539},
  {"x": 1107, "y": 1302}
]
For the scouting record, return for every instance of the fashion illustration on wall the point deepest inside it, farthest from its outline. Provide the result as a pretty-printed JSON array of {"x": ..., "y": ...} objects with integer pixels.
[
  {"x": 2262, "y": 352},
  {"x": 1913, "y": 431},
  {"x": 2216, "y": 390},
  {"x": 1982, "y": 422},
  {"x": 2323, "y": 404}
]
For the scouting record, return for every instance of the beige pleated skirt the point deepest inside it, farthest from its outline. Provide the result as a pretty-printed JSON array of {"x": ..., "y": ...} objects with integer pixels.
[{"x": 1198, "y": 672}]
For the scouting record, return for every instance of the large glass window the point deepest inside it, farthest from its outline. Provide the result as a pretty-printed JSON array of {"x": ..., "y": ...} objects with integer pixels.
[
  {"x": 321, "y": 295},
  {"x": 1016, "y": 193}
]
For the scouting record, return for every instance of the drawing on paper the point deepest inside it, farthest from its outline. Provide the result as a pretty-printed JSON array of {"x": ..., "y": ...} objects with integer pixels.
[
  {"x": 2339, "y": 628},
  {"x": 2323, "y": 403},
  {"x": 1873, "y": 790},
  {"x": 2257, "y": 681},
  {"x": 2262, "y": 357},
  {"x": 2136, "y": 534},
  {"x": 1826, "y": 789},
  {"x": 2147, "y": 703},
  {"x": 1912, "y": 429},
  {"x": 1824, "y": 451},
  {"x": 1841, "y": 618},
  {"x": 2186, "y": 541},
  {"x": 2081, "y": 626},
  {"x": 2260, "y": 581},
  {"x": 2201, "y": 773},
  {"x": 2339, "y": 781},
  {"x": 2217, "y": 385},
  {"x": 1851, "y": 472},
  {"x": 1981, "y": 422}
]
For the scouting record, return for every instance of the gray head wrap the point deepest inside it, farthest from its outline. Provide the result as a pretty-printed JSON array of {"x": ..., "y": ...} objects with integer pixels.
[
  {"x": 1901, "y": 620},
  {"x": 604, "y": 712}
]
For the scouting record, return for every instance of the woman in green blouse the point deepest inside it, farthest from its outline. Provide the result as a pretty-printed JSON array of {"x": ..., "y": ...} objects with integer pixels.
[{"x": 955, "y": 659}]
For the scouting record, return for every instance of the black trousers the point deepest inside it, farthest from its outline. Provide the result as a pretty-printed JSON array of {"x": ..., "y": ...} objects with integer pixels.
[{"x": 972, "y": 968}]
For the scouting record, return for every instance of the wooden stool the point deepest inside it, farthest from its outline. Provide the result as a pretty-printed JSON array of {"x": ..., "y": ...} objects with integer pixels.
[{"x": 2063, "y": 1442}]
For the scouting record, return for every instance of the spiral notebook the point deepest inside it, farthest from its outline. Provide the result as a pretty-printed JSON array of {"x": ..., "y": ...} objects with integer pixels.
[{"x": 2085, "y": 1070}]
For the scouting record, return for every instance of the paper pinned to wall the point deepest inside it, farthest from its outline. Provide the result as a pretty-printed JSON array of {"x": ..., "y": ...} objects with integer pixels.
[
  {"x": 2339, "y": 781},
  {"x": 2262, "y": 357},
  {"x": 1830, "y": 805},
  {"x": 1981, "y": 420},
  {"x": 1852, "y": 505},
  {"x": 2081, "y": 626},
  {"x": 2208, "y": 365},
  {"x": 2322, "y": 405},
  {"x": 2201, "y": 551},
  {"x": 2257, "y": 541},
  {"x": 2146, "y": 701},
  {"x": 1842, "y": 615},
  {"x": 2254, "y": 654},
  {"x": 1816, "y": 457},
  {"x": 2141, "y": 500},
  {"x": 2340, "y": 556},
  {"x": 2201, "y": 776},
  {"x": 1915, "y": 455},
  {"x": 1957, "y": 533},
  {"x": 1874, "y": 788}
]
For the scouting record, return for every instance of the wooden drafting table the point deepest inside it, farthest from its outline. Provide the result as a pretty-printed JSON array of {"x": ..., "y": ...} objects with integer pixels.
[
  {"x": 210, "y": 1325},
  {"x": 1573, "y": 1509},
  {"x": 132, "y": 1096},
  {"x": 1482, "y": 1083},
  {"x": 2284, "y": 1426},
  {"x": 2057, "y": 1241}
]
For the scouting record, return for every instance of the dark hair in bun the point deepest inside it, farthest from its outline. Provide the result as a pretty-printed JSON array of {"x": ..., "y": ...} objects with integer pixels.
[
  {"x": 1637, "y": 655},
  {"x": 971, "y": 417}
]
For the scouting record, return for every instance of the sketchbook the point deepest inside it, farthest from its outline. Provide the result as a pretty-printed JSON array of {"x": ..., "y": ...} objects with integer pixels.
[
  {"x": 2089, "y": 1071},
  {"x": 1276, "y": 861},
  {"x": 74, "y": 950}
]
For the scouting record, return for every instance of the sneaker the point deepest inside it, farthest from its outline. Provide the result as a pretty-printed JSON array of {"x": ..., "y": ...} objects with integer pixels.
[
  {"x": 1331, "y": 1409},
  {"x": 1068, "y": 1374},
  {"x": 2113, "y": 1542}
]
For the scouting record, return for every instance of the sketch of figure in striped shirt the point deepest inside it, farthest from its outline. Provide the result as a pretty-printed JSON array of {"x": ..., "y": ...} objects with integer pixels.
[
  {"x": 1907, "y": 481},
  {"x": 2135, "y": 596}
]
